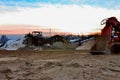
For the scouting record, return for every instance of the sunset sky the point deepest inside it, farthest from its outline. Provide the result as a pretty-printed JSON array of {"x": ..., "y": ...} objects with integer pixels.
[{"x": 76, "y": 16}]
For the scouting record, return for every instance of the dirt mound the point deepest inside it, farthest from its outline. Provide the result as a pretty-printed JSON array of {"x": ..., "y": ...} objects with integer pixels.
[
  {"x": 86, "y": 46},
  {"x": 60, "y": 45}
]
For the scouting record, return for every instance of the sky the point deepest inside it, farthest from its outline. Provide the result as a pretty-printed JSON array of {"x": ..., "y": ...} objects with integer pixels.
[{"x": 76, "y": 16}]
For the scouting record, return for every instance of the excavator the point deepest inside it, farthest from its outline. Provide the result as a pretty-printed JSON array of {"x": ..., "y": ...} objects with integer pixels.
[
  {"x": 108, "y": 41},
  {"x": 35, "y": 38}
]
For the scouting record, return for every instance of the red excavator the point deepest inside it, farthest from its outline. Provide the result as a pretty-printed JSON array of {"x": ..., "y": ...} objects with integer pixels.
[{"x": 109, "y": 40}]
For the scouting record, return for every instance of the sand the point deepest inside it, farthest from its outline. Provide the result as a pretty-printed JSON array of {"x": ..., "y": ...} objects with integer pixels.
[
  {"x": 86, "y": 46},
  {"x": 58, "y": 65}
]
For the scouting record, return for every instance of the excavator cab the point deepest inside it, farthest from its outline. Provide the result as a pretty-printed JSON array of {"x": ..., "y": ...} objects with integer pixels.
[{"x": 37, "y": 33}]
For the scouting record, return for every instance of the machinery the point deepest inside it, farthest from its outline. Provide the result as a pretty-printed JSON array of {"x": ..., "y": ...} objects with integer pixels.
[
  {"x": 35, "y": 38},
  {"x": 109, "y": 40}
]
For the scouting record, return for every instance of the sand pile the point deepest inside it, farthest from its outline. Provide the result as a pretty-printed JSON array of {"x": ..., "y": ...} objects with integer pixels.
[
  {"x": 86, "y": 46},
  {"x": 60, "y": 45}
]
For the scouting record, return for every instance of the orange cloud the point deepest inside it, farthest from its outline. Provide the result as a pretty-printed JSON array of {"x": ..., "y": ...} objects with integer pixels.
[{"x": 24, "y": 29}]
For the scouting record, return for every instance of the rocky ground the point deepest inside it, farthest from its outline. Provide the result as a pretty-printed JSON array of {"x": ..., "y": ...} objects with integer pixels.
[{"x": 58, "y": 65}]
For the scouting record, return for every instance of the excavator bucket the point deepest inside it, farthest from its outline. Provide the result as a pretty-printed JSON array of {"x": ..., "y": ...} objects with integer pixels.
[{"x": 101, "y": 45}]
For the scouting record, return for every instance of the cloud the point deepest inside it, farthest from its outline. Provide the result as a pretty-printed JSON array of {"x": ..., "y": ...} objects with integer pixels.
[{"x": 71, "y": 18}]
